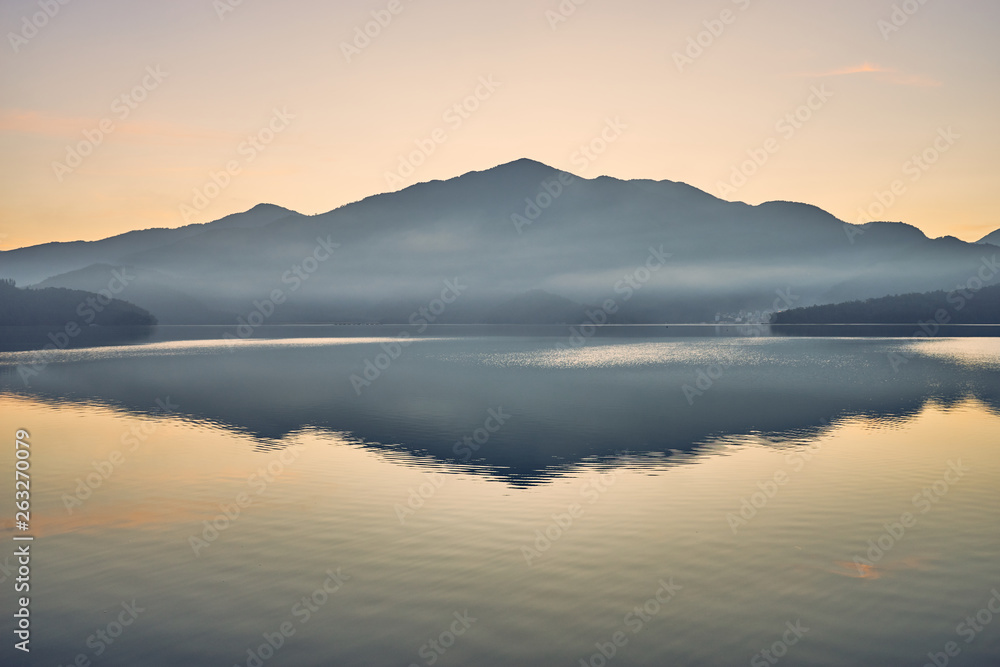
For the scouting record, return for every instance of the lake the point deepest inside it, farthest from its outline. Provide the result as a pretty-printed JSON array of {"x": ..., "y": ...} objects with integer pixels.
[{"x": 344, "y": 496}]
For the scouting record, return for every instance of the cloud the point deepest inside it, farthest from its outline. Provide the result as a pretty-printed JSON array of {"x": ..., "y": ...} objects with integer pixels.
[
  {"x": 866, "y": 68},
  {"x": 888, "y": 75}
]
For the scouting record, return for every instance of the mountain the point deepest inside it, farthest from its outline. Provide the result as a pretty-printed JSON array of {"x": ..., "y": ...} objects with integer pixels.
[
  {"x": 959, "y": 307},
  {"x": 993, "y": 238},
  {"x": 62, "y": 308},
  {"x": 34, "y": 264},
  {"x": 640, "y": 251}
]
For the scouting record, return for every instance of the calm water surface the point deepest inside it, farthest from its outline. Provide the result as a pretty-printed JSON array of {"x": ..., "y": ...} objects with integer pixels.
[{"x": 498, "y": 500}]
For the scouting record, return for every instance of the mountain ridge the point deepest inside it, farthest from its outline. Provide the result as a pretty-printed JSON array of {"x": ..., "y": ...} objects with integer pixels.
[
  {"x": 510, "y": 230},
  {"x": 992, "y": 239},
  {"x": 110, "y": 249}
]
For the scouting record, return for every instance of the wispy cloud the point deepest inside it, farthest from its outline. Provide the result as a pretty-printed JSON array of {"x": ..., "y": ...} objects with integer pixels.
[
  {"x": 889, "y": 75},
  {"x": 866, "y": 68}
]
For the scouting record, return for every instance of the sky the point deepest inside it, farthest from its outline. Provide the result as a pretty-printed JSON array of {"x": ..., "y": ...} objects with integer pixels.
[{"x": 124, "y": 114}]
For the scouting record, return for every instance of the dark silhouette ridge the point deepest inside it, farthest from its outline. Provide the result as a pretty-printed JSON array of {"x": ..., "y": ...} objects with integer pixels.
[
  {"x": 504, "y": 233},
  {"x": 955, "y": 307}
]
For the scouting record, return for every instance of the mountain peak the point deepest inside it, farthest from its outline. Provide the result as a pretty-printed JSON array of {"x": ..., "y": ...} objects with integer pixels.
[
  {"x": 269, "y": 207},
  {"x": 520, "y": 174},
  {"x": 903, "y": 230},
  {"x": 258, "y": 216},
  {"x": 799, "y": 209},
  {"x": 523, "y": 165}
]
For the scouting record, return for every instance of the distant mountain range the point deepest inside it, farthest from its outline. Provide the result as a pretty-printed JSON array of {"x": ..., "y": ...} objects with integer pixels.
[{"x": 519, "y": 243}]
